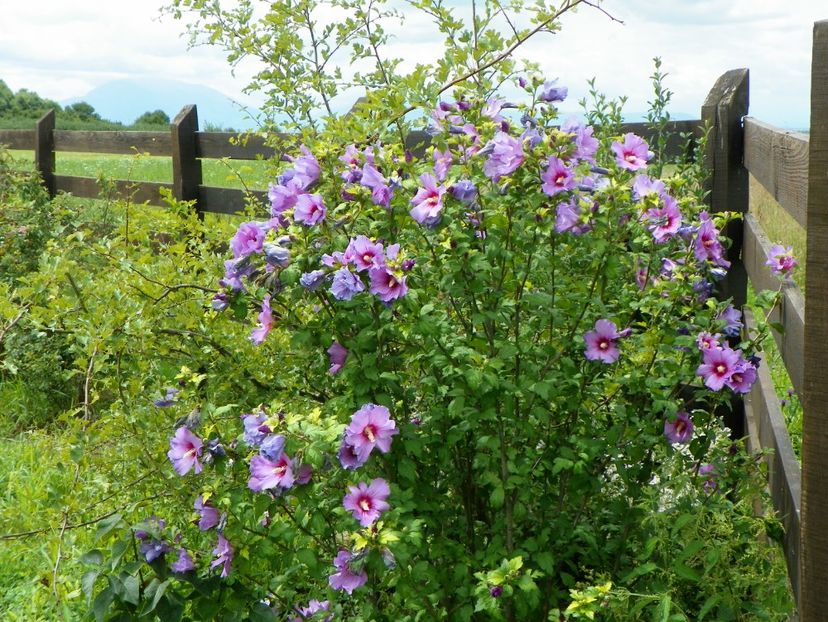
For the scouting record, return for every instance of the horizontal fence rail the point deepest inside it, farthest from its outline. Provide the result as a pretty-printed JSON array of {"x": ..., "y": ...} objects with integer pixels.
[
  {"x": 778, "y": 159},
  {"x": 681, "y": 136}
]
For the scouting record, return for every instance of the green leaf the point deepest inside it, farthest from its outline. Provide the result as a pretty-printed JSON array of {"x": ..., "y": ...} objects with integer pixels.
[
  {"x": 497, "y": 497},
  {"x": 101, "y": 605},
  {"x": 639, "y": 571},
  {"x": 686, "y": 572},
  {"x": 708, "y": 605},
  {"x": 663, "y": 612},
  {"x": 93, "y": 558},
  {"x": 107, "y": 525},
  {"x": 131, "y": 590},
  {"x": 88, "y": 582}
]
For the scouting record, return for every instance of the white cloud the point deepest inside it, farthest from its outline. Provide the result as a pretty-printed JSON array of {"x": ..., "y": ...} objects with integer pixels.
[{"x": 63, "y": 49}]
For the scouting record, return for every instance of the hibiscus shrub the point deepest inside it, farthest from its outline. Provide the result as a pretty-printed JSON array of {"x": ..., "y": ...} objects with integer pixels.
[{"x": 498, "y": 375}]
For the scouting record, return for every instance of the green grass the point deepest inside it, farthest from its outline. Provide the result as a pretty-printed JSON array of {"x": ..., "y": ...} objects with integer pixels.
[
  {"x": 781, "y": 228},
  {"x": 251, "y": 174}
]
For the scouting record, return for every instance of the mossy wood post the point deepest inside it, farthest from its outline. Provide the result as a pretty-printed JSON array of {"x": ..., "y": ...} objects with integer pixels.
[
  {"x": 45, "y": 150},
  {"x": 186, "y": 165},
  {"x": 723, "y": 111},
  {"x": 814, "y": 595}
]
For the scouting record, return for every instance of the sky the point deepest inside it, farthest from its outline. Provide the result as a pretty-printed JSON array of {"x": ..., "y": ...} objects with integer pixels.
[{"x": 62, "y": 49}]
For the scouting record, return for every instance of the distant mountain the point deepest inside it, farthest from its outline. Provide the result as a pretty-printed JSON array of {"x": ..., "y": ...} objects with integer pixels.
[{"x": 125, "y": 100}]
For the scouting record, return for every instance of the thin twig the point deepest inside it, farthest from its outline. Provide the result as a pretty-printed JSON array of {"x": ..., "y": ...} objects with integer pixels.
[{"x": 14, "y": 321}]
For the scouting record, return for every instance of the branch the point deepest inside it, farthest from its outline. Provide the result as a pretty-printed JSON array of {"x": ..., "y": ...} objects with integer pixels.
[{"x": 14, "y": 321}]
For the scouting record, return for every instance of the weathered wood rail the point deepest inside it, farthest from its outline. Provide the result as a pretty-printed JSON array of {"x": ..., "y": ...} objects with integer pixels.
[{"x": 792, "y": 167}]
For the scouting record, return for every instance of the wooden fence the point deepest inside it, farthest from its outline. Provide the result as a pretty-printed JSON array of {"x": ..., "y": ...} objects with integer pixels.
[{"x": 792, "y": 167}]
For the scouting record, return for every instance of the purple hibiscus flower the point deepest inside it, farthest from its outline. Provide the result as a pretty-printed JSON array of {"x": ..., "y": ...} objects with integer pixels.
[
  {"x": 306, "y": 168},
  {"x": 344, "y": 578},
  {"x": 255, "y": 429},
  {"x": 367, "y": 501},
  {"x": 209, "y": 516},
  {"x": 706, "y": 246},
  {"x": 352, "y": 173},
  {"x": 184, "y": 563},
  {"x": 248, "y": 240},
  {"x": 781, "y": 260},
  {"x": 381, "y": 191},
  {"x": 428, "y": 202},
  {"x": 586, "y": 145},
  {"x": 557, "y": 178},
  {"x": 633, "y": 153},
  {"x": 568, "y": 218},
  {"x": 309, "y": 210},
  {"x": 551, "y": 93},
  {"x": 364, "y": 253},
  {"x": 732, "y": 318},
  {"x": 644, "y": 185},
  {"x": 185, "y": 449},
  {"x": 386, "y": 284},
  {"x": 742, "y": 378},
  {"x": 664, "y": 221},
  {"x": 506, "y": 156},
  {"x": 346, "y": 284},
  {"x": 338, "y": 354},
  {"x": 348, "y": 457},
  {"x": 602, "y": 343},
  {"x": 283, "y": 197},
  {"x": 312, "y": 280},
  {"x": 707, "y": 341},
  {"x": 371, "y": 426},
  {"x": 680, "y": 430},
  {"x": 464, "y": 190},
  {"x": 718, "y": 364},
  {"x": 314, "y": 607},
  {"x": 266, "y": 323},
  {"x": 267, "y": 474},
  {"x": 442, "y": 162},
  {"x": 224, "y": 555}
]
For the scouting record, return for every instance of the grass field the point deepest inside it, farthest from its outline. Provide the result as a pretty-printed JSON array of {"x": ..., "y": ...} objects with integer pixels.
[
  {"x": 251, "y": 174},
  {"x": 783, "y": 229}
]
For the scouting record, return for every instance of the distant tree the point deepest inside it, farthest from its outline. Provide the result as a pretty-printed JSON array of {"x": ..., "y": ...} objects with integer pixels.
[
  {"x": 6, "y": 98},
  {"x": 83, "y": 112},
  {"x": 31, "y": 105},
  {"x": 157, "y": 117}
]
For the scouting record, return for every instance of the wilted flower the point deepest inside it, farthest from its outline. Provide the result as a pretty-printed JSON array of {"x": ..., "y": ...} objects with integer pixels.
[
  {"x": 255, "y": 429},
  {"x": 312, "y": 280},
  {"x": 551, "y": 93},
  {"x": 224, "y": 555},
  {"x": 184, "y": 563},
  {"x": 209, "y": 516},
  {"x": 266, "y": 323},
  {"x": 168, "y": 399},
  {"x": 273, "y": 447},
  {"x": 338, "y": 354}
]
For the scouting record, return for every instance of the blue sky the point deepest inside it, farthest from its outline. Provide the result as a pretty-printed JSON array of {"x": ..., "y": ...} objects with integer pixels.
[{"x": 93, "y": 41}]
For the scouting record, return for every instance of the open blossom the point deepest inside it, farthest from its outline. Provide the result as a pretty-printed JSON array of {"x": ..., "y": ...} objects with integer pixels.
[
  {"x": 314, "y": 606},
  {"x": 255, "y": 429},
  {"x": 283, "y": 196},
  {"x": 266, "y": 323},
  {"x": 338, "y": 354},
  {"x": 706, "y": 341},
  {"x": 367, "y": 501},
  {"x": 309, "y": 209},
  {"x": 718, "y": 364},
  {"x": 558, "y": 177},
  {"x": 633, "y": 153},
  {"x": 248, "y": 240},
  {"x": 742, "y": 378},
  {"x": 781, "y": 260},
  {"x": 306, "y": 168},
  {"x": 185, "y": 449},
  {"x": 706, "y": 246},
  {"x": 586, "y": 145},
  {"x": 381, "y": 190},
  {"x": 602, "y": 343},
  {"x": 680, "y": 430},
  {"x": 428, "y": 202},
  {"x": 184, "y": 563},
  {"x": 208, "y": 515},
  {"x": 224, "y": 555},
  {"x": 371, "y": 426},
  {"x": 346, "y": 284},
  {"x": 664, "y": 221},
  {"x": 506, "y": 156},
  {"x": 364, "y": 253},
  {"x": 644, "y": 185},
  {"x": 551, "y": 93},
  {"x": 387, "y": 285},
  {"x": 344, "y": 578},
  {"x": 568, "y": 218},
  {"x": 442, "y": 162},
  {"x": 267, "y": 474}
]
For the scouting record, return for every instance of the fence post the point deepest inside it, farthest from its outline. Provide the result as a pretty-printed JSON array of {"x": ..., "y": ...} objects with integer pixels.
[
  {"x": 186, "y": 166},
  {"x": 45, "y": 150},
  {"x": 725, "y": 107},
  {"x": 814, "y": 590}
]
